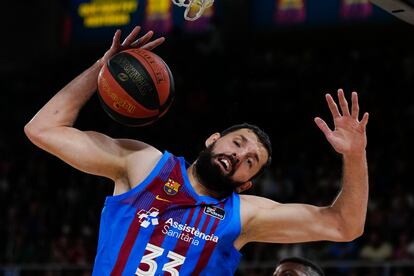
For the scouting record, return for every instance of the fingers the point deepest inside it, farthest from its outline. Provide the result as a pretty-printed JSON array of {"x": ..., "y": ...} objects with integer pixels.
[
  {"x": 355, "y": 106},
  {"x": 142, "y": 40},
  {"x": 332, "y": 106},
  {"x": 151, "y": 45},
  {"x": 364, "y": 120},
  {"x": 131, "y": 41},
  {"x": 131, "y": 37},
  {"x": 343, "y": 103},
  {"x": 345, "y": 121},
  {"x": 116, "y": 39},
  {"x": 322, "y": 126}
]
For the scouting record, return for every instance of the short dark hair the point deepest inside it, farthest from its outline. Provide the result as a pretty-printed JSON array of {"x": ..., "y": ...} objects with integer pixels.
[
  {"x": 263, "y": 139},
  {"x": 310, "y": 266}
]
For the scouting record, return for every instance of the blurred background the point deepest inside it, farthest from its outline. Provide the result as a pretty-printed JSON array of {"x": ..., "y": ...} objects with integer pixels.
[{"x": 266, "y": 62}]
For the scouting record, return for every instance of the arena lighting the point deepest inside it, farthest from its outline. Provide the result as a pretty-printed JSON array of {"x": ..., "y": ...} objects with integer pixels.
[{"x": 403, "y": 9}]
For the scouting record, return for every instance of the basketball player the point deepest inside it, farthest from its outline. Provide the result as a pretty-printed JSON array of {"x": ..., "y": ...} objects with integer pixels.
[
  {"x": 296, "y": 266},
  {"x": 169, "y": 217}
]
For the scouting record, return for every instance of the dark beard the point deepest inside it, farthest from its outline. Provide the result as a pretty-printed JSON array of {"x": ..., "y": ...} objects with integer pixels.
[{"x": 211, "y": 176}]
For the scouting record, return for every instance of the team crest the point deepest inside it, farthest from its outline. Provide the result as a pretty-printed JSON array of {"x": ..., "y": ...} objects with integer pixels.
[{"x": 171, "y": 187}]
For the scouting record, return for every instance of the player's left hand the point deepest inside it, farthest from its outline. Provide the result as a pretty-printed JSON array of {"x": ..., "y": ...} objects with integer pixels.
[
  {"x": 349, "y": 136},
  {"x": 131, "y": 41}
]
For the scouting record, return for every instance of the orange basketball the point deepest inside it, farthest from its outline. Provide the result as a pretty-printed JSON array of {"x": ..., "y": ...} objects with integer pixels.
[{"x": 135, "y": 87}]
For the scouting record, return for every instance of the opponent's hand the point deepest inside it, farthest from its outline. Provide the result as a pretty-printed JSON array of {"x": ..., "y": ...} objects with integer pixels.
[
  {"x": 131, "y": 41},
  {"x": 349, "y": 136}
]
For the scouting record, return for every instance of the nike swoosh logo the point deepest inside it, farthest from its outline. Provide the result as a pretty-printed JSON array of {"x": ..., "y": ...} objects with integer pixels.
[{"x": 162, "y": 199}]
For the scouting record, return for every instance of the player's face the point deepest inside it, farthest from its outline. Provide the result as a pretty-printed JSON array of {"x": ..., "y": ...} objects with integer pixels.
[
  {"x": 239, "y": 154},
  {"x": 290, "y": 269},
  {"x": 230, "y": 161}
]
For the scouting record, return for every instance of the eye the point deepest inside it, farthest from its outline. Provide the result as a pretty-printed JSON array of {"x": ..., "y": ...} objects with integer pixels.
[
  {"x": 236, "y": 143},
  {"x": 250, "y": 162}
]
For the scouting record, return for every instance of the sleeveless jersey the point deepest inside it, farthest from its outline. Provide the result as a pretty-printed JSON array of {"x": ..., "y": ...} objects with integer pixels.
[{"x": 162, "y": 227}]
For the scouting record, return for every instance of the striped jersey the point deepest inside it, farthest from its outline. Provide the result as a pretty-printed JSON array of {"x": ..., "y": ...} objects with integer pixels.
[{"x": 162, "y": 227}]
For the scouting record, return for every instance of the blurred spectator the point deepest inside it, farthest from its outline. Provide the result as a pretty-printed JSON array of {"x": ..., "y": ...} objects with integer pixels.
[
  {"x": 402, "y": 250},
  {"x": 376, "y": 249}
]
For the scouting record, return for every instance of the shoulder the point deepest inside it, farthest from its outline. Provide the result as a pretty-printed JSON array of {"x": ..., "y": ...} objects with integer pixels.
[
  {"x": 134, "y": 147},
  {"x": 138, "y": 155},
  {"x": 140, "y": 159},
  {"x": 141, "y": 162}
]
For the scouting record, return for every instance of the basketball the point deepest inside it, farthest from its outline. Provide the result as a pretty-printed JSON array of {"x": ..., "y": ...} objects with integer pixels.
[{"x": 135, "y": 87}]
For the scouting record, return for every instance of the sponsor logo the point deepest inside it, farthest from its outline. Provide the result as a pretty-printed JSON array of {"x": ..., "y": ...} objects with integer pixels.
[
  {"x": 134, "y": 75},
  {"x": 186, "y": 233},
  {"x": 162, "y": 199},
  {"x": 123, "y": 76},
  {"x": 171, "y": 187},
  {"x": 175, "y": 229},
  {"x": 147, "y": 218},
  {"x": 215, "y": 212},
  {"x": 117, "y": 102}
]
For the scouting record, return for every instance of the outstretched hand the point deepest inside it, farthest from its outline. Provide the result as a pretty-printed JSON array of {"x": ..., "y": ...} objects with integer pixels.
[
  {"x": 131, "y": 41},
  {"x": 349, "y": 136}
]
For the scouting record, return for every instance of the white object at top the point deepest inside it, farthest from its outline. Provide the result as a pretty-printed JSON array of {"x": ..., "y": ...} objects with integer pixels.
[{"x": 193, "y": 8}]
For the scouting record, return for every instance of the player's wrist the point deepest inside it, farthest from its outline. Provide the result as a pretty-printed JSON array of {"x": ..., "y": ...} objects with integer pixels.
[
  {"x": 100, "y": 62},
  {"x": 355, "y": 156}
]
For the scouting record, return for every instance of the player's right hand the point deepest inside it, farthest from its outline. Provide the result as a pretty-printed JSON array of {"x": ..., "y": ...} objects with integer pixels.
[{"x": 131, "y": 41}]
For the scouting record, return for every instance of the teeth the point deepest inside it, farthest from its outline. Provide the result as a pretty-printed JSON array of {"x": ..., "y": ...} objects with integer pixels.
[{"x": 226, "y": 162}]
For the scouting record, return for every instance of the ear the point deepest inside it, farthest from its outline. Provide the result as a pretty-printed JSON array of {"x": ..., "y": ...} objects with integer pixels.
[
  {"x": 213, "y": 137},
  {"x": 247, "y": 185}
]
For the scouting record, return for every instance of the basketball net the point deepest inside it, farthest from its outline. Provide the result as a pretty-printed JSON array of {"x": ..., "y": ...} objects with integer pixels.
[{"x": 193, "y": 8}]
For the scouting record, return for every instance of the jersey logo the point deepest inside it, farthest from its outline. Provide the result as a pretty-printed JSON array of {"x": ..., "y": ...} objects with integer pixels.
[
  {"x": 215, "y": 212},
  {"x": 147, "y": 218},
  {"x": 162, "y": 199},
  {"x": 171, "y": 187}
]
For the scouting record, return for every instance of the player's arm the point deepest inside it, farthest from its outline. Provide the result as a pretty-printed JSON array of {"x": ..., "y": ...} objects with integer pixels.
[
  {"x": 52, "y": 127},
  {"x": 273, "y": 222},
  {"x": 267, "y": 221},
  {"x": 343, "y": 220}
]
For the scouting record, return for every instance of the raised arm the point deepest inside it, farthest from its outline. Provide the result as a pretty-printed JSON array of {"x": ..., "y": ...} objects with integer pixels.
[
  {"x": 52, "y": 127},
  {"x": 267, "y": 221}
]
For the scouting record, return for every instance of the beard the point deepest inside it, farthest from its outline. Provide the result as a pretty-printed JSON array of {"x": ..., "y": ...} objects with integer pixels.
[{"x": 212, "y": 176}]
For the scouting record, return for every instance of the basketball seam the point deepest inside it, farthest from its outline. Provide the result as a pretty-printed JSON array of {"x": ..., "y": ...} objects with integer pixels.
[{"x": 128, "y": 121}]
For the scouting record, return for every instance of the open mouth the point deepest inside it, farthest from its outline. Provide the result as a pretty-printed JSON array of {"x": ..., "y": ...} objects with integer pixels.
[{"x": 224, "y": 163}]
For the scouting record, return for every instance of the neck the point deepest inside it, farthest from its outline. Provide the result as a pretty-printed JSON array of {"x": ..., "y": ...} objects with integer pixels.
[{"x": 199, "y": 188}]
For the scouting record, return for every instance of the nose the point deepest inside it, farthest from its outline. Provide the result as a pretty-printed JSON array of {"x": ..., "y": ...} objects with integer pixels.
[{"x": 235, "y": 158}]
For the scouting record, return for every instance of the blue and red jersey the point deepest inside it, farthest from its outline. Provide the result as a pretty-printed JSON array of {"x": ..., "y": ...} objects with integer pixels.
[{"x": 162, "y": 227}]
